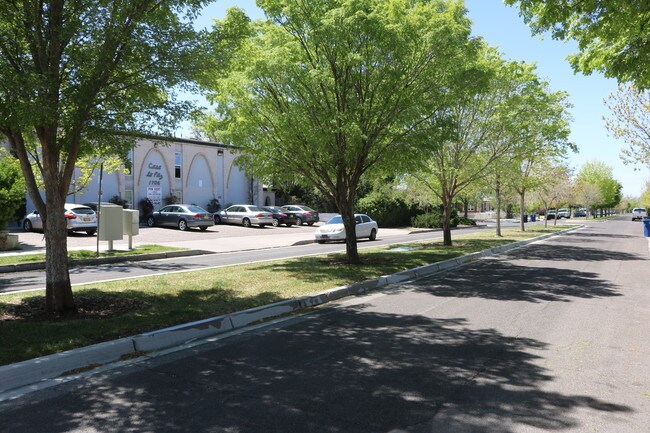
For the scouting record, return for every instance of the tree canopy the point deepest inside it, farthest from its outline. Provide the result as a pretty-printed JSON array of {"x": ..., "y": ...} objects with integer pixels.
[
  {"x": 329, "y": 92},
  {"x": 630, "y": 120},
  {"x": 75, "y": 77},
  {"x": 599, "y": 174},
  {"x": 612, "y": 35}
]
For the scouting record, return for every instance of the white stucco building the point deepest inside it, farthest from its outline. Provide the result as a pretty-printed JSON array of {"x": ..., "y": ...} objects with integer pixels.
[{"x": 191, "y": 171}]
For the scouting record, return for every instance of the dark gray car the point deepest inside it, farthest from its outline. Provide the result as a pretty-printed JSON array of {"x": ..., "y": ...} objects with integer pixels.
[{"x": 182, "y": 216}]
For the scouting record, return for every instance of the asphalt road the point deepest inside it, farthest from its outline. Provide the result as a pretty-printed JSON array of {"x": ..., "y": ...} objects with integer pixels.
[
  {"x": 552, "y": 337},
  {"x": 91, "y": 274}
]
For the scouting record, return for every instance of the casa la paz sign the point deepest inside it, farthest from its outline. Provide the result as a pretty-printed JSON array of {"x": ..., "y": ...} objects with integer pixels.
[{"x": 154, "y": 174}]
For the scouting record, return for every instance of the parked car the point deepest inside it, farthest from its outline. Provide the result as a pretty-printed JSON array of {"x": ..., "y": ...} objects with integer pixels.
[
  {"x": 79, "y": 218},
  {"x": 582, "y": 212},
  {"x": 93, "y": 205},
  {"x": 244, "y": 214},
  {"x": 183, "y": 216},
  {"x": 303, "y": 213},
  {"x": 334, "y": 230},
  {"x": 563, "y": 213},
  {"x": 638, "y": 213},
  {"x": 280, "y": 217},
  {"x": 551, "y": 214}
]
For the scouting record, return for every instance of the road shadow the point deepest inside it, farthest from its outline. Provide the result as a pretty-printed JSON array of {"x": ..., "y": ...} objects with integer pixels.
[
  {"x": 502, "y": 280},
  {"x": 568, "y": 251},
  {"x": 350, "y": 370}
]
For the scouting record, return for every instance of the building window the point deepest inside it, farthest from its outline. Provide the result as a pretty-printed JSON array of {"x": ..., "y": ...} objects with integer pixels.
[
  {"x": 177, "y": 165},
  {"x": 128, "y": 196},
  {"x": 128, "y": 167}
]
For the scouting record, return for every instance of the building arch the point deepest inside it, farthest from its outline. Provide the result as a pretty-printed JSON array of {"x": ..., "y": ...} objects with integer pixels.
[
  {"x": 157, "y": 182},
  {"x": 199, "y": 181}
]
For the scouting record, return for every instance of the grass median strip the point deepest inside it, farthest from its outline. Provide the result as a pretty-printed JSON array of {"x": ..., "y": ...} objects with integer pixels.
[
  {"x": 111, "y": 310},
  {"x": 17, "y": 259}
]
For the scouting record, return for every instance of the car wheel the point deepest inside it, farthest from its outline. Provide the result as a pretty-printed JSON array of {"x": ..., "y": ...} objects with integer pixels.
[
  {"x": 182, "y": 225},
  {"x": 246, "y": 222},
  {"x": 373, "y": 235},
  {"x": 90, "y": 232},
  {"x": 150, "y": 221},
  {"x": 298, "y": 221},
  {"x": 217, "y": 219},
  {"x": 27, "y": 225},
  {"x": 320, "y": 241},
  {"x": 262, "y": 226},
  {"x": 204, "y": 228},
  {"x": 310, "y": 224},
  {"x": 289, "y": 224},
  {"x": 276, "y": 222}
]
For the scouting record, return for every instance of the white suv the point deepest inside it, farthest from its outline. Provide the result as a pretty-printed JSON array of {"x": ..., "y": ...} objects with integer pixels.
[
  {"x": 563, "y": 213},
  {"x": 639, "y": 213}
]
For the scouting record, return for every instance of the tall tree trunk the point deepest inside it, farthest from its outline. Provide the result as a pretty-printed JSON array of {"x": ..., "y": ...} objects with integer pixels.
[
  {"x": 497, "y": 191},
  {"x": 58, "y": 290},
  {"x": 446, "y": 221},
  {"x": 522, "y": 210},
  {"x": 351, "y": 250}
]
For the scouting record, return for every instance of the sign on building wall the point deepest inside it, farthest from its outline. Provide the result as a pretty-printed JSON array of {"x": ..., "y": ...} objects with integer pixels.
[{"x": 154, "y": 193}]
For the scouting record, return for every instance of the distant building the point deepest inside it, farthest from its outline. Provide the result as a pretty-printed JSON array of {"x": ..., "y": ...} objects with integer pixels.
[{"x": 176, "y": 169}]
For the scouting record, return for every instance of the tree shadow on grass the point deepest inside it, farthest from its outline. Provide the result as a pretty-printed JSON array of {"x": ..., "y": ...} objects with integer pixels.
[
  {"x": 347, "y": 370},
  {"x": 28, "y": 331}
]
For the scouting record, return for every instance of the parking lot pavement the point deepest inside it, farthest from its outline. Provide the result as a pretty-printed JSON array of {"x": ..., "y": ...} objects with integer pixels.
[{"x": 219, "y": 238}]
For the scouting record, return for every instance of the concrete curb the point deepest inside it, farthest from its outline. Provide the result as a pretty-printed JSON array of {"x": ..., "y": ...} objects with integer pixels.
[
  {"x": 104, "y": 260},
  {"x": 31, "y": 372}
]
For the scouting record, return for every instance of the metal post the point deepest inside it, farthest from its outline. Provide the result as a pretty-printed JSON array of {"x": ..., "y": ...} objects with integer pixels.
[{"x": 99, "y": 202}]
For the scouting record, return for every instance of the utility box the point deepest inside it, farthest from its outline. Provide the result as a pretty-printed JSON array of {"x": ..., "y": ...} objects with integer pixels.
[
  {"x": 646, "y": 227},
  {"x": 110, "y": 223},
  {"x": 131, "y": 223}
]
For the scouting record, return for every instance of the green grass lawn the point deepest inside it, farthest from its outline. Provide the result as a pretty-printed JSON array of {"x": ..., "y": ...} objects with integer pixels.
[
  {"x": 118, "y": 309},
  {"x": 16, "y": 259}
]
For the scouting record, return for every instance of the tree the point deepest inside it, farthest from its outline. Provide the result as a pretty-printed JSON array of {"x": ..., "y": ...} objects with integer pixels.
[
  {"x": 599, "y": 174},
  {"x": 612, "y": 35},
  {"x": 483, "y": 127},
  {"x": 12, "y": 188},
  {"x": 589, "y": 196},
  {"x": 555, "y": 186},
  {"x": 630, "y": 120},
  {"x": 544, "y": 131},
  {"x": 75, "y": 77},
  {"x": 332, "y": 92}
]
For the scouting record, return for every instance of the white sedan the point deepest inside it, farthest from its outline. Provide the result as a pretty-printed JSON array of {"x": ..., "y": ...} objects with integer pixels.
[{"x": 334, "y": 230}]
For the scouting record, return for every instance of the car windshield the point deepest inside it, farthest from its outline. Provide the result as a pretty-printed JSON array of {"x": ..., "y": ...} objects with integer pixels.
[
  {"x": 307, "y": 209},
  {"x": 639, "y": 209},
  {"x": 196, "y": 209},
  {"x": 335, "y": 220}
]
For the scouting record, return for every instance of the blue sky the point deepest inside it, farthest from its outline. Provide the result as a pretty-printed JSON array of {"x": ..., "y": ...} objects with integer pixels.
[{"x": 502, "y": 27}]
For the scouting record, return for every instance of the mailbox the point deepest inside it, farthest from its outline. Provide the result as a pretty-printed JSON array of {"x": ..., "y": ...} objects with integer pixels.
[
  {"x": 131, "y": 222},
  {"x": 110, "y": 223}
]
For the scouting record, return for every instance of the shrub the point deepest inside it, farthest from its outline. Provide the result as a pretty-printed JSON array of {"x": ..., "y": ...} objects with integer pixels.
[
  {"x": 116, "y": 199},
  {"x": 146, "y": 208},
  {"x": 433, "y": 219},
  {"x": 462, "y": 221},
  {"x": 386, "y": 210},
  {"x": 213, "y": 206},
  {"x": 12, "y": 188}
]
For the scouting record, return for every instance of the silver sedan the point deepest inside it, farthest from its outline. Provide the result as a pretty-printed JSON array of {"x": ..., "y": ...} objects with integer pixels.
[
  {"x": 244, "y": 214},
  {"x": 78, "y": 217}
]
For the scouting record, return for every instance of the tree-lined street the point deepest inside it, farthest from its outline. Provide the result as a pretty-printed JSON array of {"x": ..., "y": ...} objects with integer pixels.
[{"x": 551, "y": 337}]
